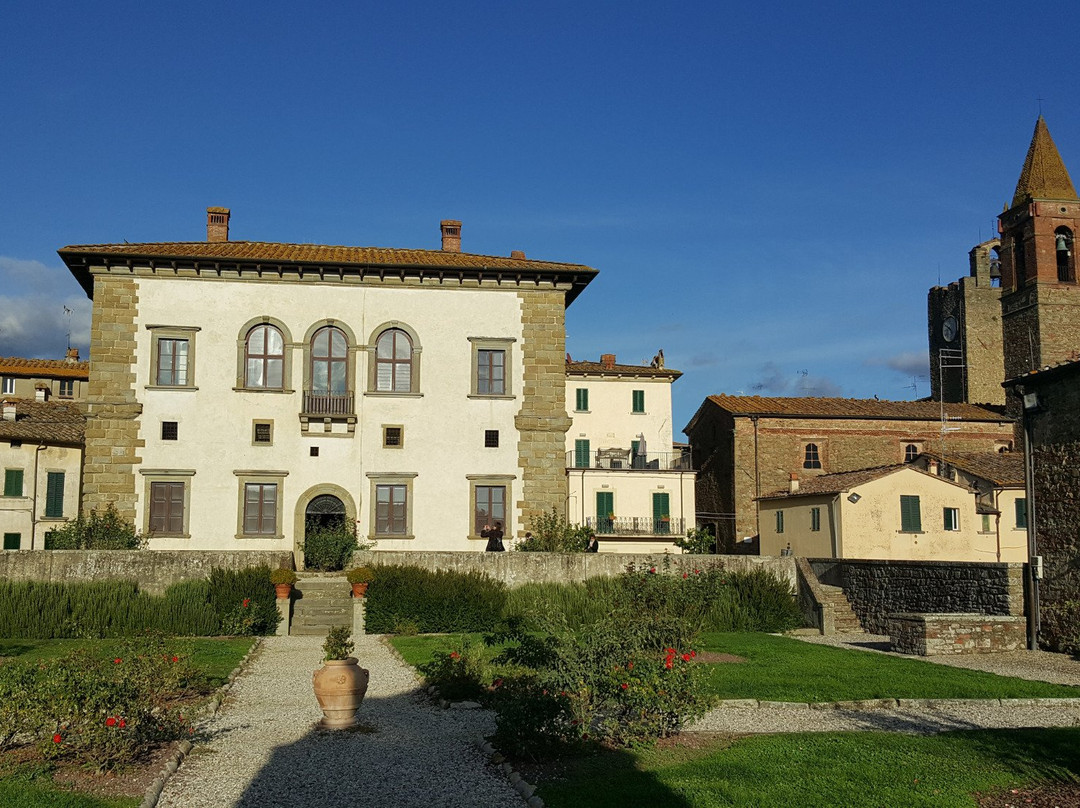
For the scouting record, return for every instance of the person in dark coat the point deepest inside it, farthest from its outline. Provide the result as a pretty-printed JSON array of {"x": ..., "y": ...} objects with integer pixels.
[
  {"x": 592, "y": 545},
  {"x": 494, "y": 535}
]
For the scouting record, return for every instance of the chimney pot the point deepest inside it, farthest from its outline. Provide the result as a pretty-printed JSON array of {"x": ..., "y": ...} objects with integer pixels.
[
  {"x": 41, "y": 392},
  {"x": 451, "y": 235},
  {"x": 72, "y": 355},
  {"x": 217, "y": 224},
  {"x": 607, "y": 361},
  {"x": 9, "y": 410},
  {"x": 793, "y": 484},
  {"x": 933, "y": 467},
  {"x": 518, "y": 254}
]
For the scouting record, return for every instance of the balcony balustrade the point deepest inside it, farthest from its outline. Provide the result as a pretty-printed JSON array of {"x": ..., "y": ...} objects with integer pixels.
[
  {"x": 637, "y": 526},
  {"x": 328, "y": 403},
  {"x": 626, "y": 460}
]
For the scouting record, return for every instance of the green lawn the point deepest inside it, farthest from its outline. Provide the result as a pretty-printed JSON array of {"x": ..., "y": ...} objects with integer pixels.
[
  {"x": 783, "y": 669},
  {"x": 827, "y": 769}
]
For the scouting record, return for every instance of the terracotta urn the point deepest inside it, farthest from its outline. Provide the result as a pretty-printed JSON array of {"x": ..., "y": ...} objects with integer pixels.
[
  {"x": 340, "y": 685},
  {"x": 283, "y": 590},
  {"x": 359, "y": 589}
]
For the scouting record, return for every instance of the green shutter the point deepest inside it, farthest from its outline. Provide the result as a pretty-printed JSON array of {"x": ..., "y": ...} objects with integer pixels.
[
  {"x": 910, "y": 515},
  {"x": 582, "y": 403},
  {"x": 13, "y": 482},
  {"x": 1021, "y": 512},
  {"x": 815, "y": 519},
  {"x": 779, "y": 521},
  {"x": 582, "y": 455},
  {"x": 54, "y": 495},
  {"x": 639, "y": 400},
  {"x": 12, "y": 541},
  {"x": 605, "y": 505},
  {"x": 661, "y": 510}
]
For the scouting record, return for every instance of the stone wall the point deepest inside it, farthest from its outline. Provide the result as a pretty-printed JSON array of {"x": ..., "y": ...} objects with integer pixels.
[
  {"x": 877, "y": 589},
  {"x": 940, "y": 634},
  {"x": 1056, "y": 469},
  {"x": 515, "y": 568},
  {"x": 154, "y": 570}
]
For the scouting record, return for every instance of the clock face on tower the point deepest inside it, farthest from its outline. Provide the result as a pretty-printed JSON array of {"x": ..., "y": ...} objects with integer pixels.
[{"x": 948, "y": 329}]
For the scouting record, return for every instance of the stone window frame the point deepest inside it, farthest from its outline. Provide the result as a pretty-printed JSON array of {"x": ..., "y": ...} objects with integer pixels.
[
  {"x": 170, "y": 430},
  {"x": 350, "y": 352},
  {"x": 506, "y": 346},
  {"x": 1069, "y": 266},
  {"x": 66, "y": 388},
  {"x": 151, "y": 476},
  {"x": 260, "y": 477},
  {"x": 490, "y": 480},
  {"x": 400, "y": 436},
  {"x": 185, "y": 333},
  {"x": 255, "y": 424},
  {"x": 289, "y": 346},
  {"x": 911, "y": 450},
  {"x": 378, "y": 478},
  {"x": 372, "y": 365}
]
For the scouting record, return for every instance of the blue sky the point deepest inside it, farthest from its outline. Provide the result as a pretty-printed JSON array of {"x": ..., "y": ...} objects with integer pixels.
[{"x": 768, "y": 189}]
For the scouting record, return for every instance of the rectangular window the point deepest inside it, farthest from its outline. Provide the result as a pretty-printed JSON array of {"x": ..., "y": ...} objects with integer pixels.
[
  {"x": 67, "y": 388},
  {"x": 8, "y": 386},
  {"x": 491, "y": 438},
  {"x": 910, "y": 514},
  {"x": 815, "y": 519},
  {"x": 986, "y": 523},
  {"x": 661, "y": 509},
  {"x": 167, "y": 508},
  {"x": 263, "y": 433},
  {"x": 170, "y": 430},
  {"x": 12, "y": 541},
  {"x": 391, "y": 510},
  {"x": 54, "y": 495},
  {"x": 260, "y": 509},
  {"x": 1021, "y": 513},
  {"x": 490, "y": 506},
  {"x": 13, "y": 482},
  {"x": 581, "y": 399},
  {"x": 605, "y": 511},
  {"x": 582, "y": 454},
  {"x": 779, "y": 521},
  {"x": 952, "y": 518},
  {"x": 639, "y": 401},
  {"x": 393, "y": 437},
  {"x": 490, "y": 372},
  {"x": 172, "y": 362}
]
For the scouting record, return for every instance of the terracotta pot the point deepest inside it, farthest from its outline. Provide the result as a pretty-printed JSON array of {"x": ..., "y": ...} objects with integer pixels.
[
  {"x": 360, "y": 589},
  {"x": 340, "y": 685},
  {"x": 283, "y": 590}
]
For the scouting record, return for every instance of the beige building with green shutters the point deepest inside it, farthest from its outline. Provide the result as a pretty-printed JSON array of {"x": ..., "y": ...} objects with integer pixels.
[{"x": 241, "y": 392}]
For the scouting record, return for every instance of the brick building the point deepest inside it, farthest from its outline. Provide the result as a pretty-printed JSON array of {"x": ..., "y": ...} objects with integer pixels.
[{"x": 745, "y": 446}]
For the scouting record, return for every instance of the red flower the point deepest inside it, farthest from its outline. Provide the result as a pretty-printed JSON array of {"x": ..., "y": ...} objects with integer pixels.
[
  {"x": 652, "y": 570},
  {"x": 117, "y": 661},
  {"x": 110, "y": 721},
  {"x": 454, "y": 654},
  {"x": 629, "y": 666},
  {"x": 584, "y": 736},
  {"x": 693, "y": 654},
  {"x": 684, "y": 575},
  {"x": 247, "y": 602},
  {"x": 697, "y": 572},
  {"x": 667, "y": 664},
  {"x": 123, "y": 723},
  {"x": 57, "y": 738},
  {"x": 624, "y": 685},
  {"x": 497, "y": 683},
  {"x": 543, "y": 692},
  {"x": 671, "y": 651},
  {"x": 176, "y": 659},
  {"x": 574, "y": 722},
  {"x": 563, "y": 693}
]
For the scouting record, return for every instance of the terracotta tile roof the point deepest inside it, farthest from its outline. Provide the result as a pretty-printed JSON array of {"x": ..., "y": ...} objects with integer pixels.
[
  {"x": 48, "y": 422},
  {"x": 1044, "y": 175},
  {"x": 852, "y": 408},
  {"x": 838, "y": 483},
  {"x": 52, "y": 368},
  {"x": 1059, "y": 368},
  {"x": 596, "y": 369},
  {"x": 1000, "y": 468},
  {"x": 273, "y": 252}
]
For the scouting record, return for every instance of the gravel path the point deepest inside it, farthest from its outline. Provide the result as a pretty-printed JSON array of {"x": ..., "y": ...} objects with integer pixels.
[{"x": 263, "y": 749}]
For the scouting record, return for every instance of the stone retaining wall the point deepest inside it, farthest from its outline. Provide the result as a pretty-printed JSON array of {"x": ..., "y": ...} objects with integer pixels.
[
  {"x": 154, "y": 570},
  {"x": 515, "y": 568},
  {"x": 878, "y": 589},
  {"x": 939, "y": 634}
]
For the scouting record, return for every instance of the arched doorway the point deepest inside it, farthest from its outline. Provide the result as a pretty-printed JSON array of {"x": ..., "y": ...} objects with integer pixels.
[{"x": 324, "y": 511}]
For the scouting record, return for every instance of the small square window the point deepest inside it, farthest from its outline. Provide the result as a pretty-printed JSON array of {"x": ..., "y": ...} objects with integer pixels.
[
  {"x": 170, "y": 430},
  {"x": 12, "y": 541},
  {"x": 67, "y": 388},
  {"x": 263, "y": 433},
  {"x": 491, "y": 438},
  {"x": 314, "y": 451},
  {"x": 393, "y": 437}
]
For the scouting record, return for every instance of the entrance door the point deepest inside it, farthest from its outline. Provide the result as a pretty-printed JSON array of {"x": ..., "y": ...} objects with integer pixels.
[
  {"x": 661, "y": 513},
  {"x": 325, "y": 512},
  {"x": 605, "y": 507}
]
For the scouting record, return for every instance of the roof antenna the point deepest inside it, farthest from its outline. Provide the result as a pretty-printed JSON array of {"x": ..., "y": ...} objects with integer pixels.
[
  {"x": 1040, "y": 100},
  {"x": 67, "y": 313}
]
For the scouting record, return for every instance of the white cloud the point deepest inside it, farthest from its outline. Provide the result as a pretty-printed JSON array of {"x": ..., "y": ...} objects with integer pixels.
[
  {"x": 775, "y": 382},
  {"x": 39, "y": 306},
  {"x": 909, "y": 363}
]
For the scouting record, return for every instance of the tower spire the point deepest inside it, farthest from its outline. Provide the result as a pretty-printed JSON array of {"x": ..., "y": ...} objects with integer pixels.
[{"x": 1044, "y": 175}]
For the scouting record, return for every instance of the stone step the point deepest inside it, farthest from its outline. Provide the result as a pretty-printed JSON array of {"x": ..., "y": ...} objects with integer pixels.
[{"x": 308, "y": 631}]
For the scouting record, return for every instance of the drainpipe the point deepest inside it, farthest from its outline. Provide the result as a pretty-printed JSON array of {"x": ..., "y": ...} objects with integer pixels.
[
  {"x": 1032, "y": 579},
  {"x": 832, "y": 525},
  {"x": 34, "y": 500}
]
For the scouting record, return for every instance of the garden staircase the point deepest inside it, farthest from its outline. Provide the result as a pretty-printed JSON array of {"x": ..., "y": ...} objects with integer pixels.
[
  {"x": 320, "y": 603},
  {"x": 845, "y": 621}
]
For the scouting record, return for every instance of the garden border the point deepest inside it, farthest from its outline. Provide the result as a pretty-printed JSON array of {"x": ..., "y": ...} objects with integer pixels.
[{"x": 864, "y": 705}]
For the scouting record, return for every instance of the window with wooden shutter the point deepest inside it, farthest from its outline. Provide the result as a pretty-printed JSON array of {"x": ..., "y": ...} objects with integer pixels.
[
  {"x": 815, "y": 519},
  {"x": 582, "y": 454},
  {"x": 910, "y": 514},
  {"x": 260, "y": 509},
  {"x": 12, "y": 541},
  {"x": 13, "y": 482},
  {"x": 167, "y": 508},
  {"x": 54, "y": 495},
  {"x": 581, "y": 403},
  {"x": 638, "y": 400},
  {"x": 1021, "y": 513}
]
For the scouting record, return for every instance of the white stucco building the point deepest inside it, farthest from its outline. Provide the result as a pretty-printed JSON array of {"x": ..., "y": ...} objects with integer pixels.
[{"x": 625, "y": 478}]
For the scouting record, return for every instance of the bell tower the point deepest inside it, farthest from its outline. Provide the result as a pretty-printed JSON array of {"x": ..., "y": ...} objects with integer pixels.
[{"x": 1040, "y": 297}]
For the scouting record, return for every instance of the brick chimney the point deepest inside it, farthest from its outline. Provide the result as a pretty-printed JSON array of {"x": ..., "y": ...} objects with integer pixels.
[
  {"x": 518, "y": 254},
  {"x": 607, "y": 361},
  {"x": 451, "y": 235},
  {"x": 933, "y": 467},
  {"x": 217, "y": 224},
  {"x": 72, "y": 355},
  {"x": 9, "y": 410},
  {"x": 793, "y": 483}
]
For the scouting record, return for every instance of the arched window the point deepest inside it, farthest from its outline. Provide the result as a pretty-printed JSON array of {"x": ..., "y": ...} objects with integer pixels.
[
  {"x": 1063, "y": 249},
  {"x": 393, "y": 362},
  {"x": 811, "y": 459},
  {"x": 264, "y": 358},
  {"x": 329, "y": 369},
  {"x": 911, "y": 451}
]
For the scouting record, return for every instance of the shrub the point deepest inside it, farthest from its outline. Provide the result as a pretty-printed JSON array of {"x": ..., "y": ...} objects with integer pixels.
[
  {"x": 97, "y": 531},
  {"x": 460, "y": 674},
  {"x": 444, "y": 601},
  {"x": 244, "y": 600},
  {"x": 552, "y": 533},
  {"x": 698, "y": 541},
  {"x": 360, "y": 575},
  {"x": 282, "y": 576},
  {"x": 331, "y": 547},
  {"x": 338, "y": 643},
  {"x": 765, "y": 601}
]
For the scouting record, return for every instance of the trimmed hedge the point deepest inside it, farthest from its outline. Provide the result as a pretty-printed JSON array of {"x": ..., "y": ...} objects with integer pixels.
[{"x": 430, "y": 602}]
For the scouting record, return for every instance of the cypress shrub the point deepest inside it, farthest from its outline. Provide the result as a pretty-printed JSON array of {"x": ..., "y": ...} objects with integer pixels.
[{"x": 444, "y": 601}]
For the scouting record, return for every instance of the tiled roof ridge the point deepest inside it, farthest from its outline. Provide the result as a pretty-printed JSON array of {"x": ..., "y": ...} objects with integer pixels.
[
  {"x": 589, "y": 366},
  {"x": 1044, "y": 175},
  {"x": 811, "y": 406},
  {"x": 20, "y": 364}
]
